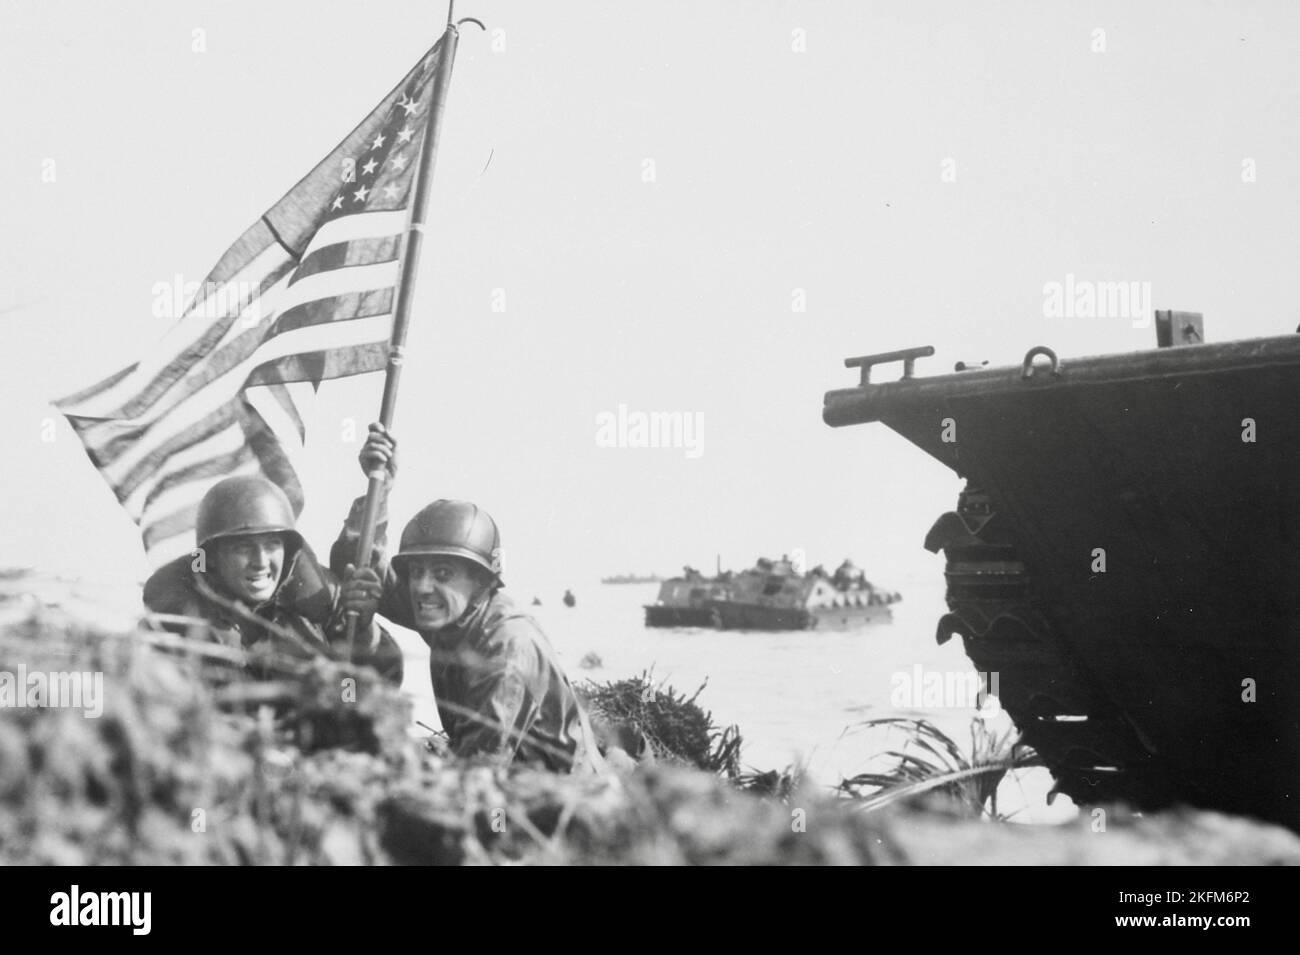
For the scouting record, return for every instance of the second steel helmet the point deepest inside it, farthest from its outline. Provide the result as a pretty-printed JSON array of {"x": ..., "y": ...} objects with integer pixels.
[
  {"x": 245, "y": 504},
  {"x": 452, "y": 528}
]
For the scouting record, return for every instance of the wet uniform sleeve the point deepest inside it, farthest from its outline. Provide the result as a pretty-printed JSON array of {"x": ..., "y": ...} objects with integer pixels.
[
  {"x": 344, "y": 550},
  {"x": 372, "y": 647},
  {"x": 392, "y": 604},
  {"x": 376, "y": 648},
  {"x": 503, "y": 703}
]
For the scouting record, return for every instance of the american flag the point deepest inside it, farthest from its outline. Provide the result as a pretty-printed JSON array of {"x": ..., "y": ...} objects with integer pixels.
[{"x": 305, "y": 294}]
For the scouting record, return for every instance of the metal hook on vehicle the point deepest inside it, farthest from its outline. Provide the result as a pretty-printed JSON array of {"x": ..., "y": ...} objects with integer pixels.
[{"x": 1027, "y": 367}]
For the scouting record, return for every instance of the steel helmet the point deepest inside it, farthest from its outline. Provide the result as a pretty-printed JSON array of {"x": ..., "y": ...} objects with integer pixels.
[
  {"x": 245, "y": 504},
  {"x": 452, "y": 528}
]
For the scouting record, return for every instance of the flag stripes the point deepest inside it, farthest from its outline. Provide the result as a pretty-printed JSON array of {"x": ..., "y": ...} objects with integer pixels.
[{"x": 306, "y": 294}]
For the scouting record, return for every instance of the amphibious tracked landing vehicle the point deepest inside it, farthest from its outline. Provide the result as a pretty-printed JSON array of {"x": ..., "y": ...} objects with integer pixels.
[
  {"x": 772, "y": 595},
  {"x": 1126, "y": 556}
]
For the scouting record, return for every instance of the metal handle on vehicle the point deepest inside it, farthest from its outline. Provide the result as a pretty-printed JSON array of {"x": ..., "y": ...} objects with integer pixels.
[
  {"x": 907, "y": 356},
  {"x": 1027, "y": 366}
]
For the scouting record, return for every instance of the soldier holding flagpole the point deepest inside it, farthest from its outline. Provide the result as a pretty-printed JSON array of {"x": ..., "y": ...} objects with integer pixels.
[
  {"x": 498, "y": 683},
  {"x": 333, "y": 264}
]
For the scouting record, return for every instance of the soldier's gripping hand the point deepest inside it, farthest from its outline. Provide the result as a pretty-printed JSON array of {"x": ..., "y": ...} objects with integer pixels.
[
  {"x": 379, "y": 451},
  {"x": 360, "y": 594}
]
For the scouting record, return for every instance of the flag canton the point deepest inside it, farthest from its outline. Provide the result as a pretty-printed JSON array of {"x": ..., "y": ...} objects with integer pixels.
[
  {"x": 305, "y": 294},
  {"x": 380, "y": 177}
]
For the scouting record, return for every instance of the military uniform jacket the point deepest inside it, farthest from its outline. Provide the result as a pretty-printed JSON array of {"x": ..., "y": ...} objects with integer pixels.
[
  {"x": 499, "y": 686},
  {"x": 305, "y": 604}
]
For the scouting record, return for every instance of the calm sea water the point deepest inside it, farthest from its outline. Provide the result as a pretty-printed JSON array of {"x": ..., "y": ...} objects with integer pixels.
[{"x": 796, "y": 696}]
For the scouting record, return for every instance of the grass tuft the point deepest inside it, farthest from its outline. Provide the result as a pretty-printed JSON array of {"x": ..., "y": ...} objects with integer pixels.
[{"x": 930, "y": 763}]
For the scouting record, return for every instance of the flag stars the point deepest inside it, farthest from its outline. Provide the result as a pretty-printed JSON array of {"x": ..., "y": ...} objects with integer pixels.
[
  {"x": 379, "y": 141},
  {"x": 398, "y": 162},
  {"x": 338, "y": 202},
  {"x": 391, "y": 191},
  {"x": 410, "y": 105},
  {"x": 404, "y": 136},
  {"x": 360, "y": 194},
  {"x": 369, "y": 167}
]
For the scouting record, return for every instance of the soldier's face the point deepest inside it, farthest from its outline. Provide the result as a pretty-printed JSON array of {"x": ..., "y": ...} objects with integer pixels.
[
  {"x": 249, "y": 567},
  {"x": 441, "y": 588}
]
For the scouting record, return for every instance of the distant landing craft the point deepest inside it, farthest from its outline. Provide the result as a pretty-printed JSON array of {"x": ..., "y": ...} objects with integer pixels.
[
  {"x": 772, "y": 595},
  {"x": 632, "y": 579}
]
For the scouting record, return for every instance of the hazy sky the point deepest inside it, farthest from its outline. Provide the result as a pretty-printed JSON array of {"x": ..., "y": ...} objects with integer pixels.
[{"x": 918, "y": 171}]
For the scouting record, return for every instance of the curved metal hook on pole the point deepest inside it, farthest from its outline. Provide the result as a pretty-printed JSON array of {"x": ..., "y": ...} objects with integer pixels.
[
  {"x": 454, "y": 24},
  {"x": 451, "y": 16}
]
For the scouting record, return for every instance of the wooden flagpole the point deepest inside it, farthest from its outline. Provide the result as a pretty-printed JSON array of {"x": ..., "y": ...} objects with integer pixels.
[{"x": 406, "y": 289}]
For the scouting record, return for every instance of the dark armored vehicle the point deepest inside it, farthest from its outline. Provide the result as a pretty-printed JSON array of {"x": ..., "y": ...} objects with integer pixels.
[{"x": 1126, "y": 556}]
